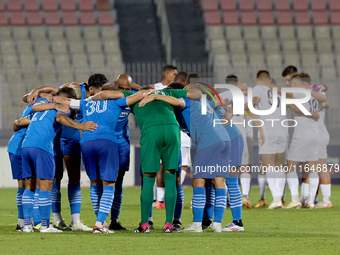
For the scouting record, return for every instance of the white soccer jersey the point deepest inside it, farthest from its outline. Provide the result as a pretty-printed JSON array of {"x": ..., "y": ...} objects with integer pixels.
[
  {"x": 306, "y": 128},
  {"x": 323, "y": 133},
  {"x": 159, "y": 86},
  {"x": 270, "y": 127}
]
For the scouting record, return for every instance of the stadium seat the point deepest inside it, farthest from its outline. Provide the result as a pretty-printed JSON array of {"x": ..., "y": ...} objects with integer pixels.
[
  {"x": 48, "y": 78},
  {"x": 246, "y": 5},
  {"x": 326, "y": 60},
  {"x": 70, "y": 19},
  {"x": 68, "y": 6},
  {"x": 320, "y": 18},
  {"x": 318, "y": 5},
  {"x": 45, "y": 63},
  {"x": 334, "y": 5},
  {"x": 59, "y": 47},
  {"x": 337, "y": 45},
  {"x": 2, "y": 7},
  {"x": 76, "y": 47},
  {"x": 103, "y": 5},
  {"x": 93, "y": 47},
  {"x": 73, "y": 33},
  {"x": 7, "y": 48},
  {"x": 302, "y": 19},
  {"x": 328, "y": 73},
  {"x": 236, "y": 46},
  {"x": 62, "y": 63},
  {"x": 228, "y": 5},
  {"x": 284, "y": 19},
  {"x": 111, "y": 47},
  {"x": 268, "y": 32},
  {"x": 55, "y": 33},
  {"x": 292, "y": 59},
  {"x": 91, "y": 33},
  {"x": 114, "y": 61},
  {"x": 335, "y": 18},
  {"x": 286, "y": 32},
  {"x": 321, "y": 32},
  {"x": 31, "y": 6},
  {"x": 79, "y": 62},
  {"x": 218, "y": 46},
  {"x": 87, "y": 19},
  {"x": 248, "y": 19},
  {"x": 309, "y": 60},
  {"x": 230, "y": 19},
  {"x": 250, "y": 32},
  {"x": 3, "y": 19},
  {"x": 209, "y": 5},
  {"x": 49, "y": 5},
  {"x": 41, "y": 47},
  {"x": 52, "y": 19},
  {"x": 289, "y": 47},
  {"x": 300, "y": 5},
  {"x": 274, "y": 61},
  {"x": 304, "y": 32},
  {"x": 215, "y": 32},
  {"x": 10, "y": 61},
  {"x": 282, "y": 5},
  {"x": 324, "y": 46},
  {"x": 257, "y": 61},
  {"x": 266, "y": 19},
  {"x": 97, "y": 63},
  {"x": 109, "y": 32},
  {"x": 264, "y": 5},
  {"x": 38, "y": 33},
  {"x": 239, "y": 60},
  {"x": 233, "y": 32},
  {"x": 20, "y": 33},
  {"x": 17, "y": 19},
  {"x": 85, "y": 5},
  {"x": 65, "y": 76},
  {"x": 24, "y": 47},
  {"x": 272, "y": 46},
  {"x": 14, "y": 6},
  {"x": 221, "y": 60},
  {"x": 105, "y": 19},
  {"x": 306, "y": 46},
  {"x": 82, "y": 76},
  {"x": 212, "y": 18},
  {"x": 27, "y": 62},
  {"x": 34, "y": 19},
  {"x": 254, "y": 46}
]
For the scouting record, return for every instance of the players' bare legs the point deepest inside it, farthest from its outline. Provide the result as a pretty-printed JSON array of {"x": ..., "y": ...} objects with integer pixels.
[
  {"x": 293, "y": 184},
  {"x": 281, "y": 176},
  {"x": 261, "y": 178},
  {"x": 160, "y": 189}
]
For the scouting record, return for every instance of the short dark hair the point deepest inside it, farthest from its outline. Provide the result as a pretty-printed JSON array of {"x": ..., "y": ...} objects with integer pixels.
[
  {"x": 306, "y": 77},
  {"x": 192, "y": 76},
  {"x": 109, "y": 86},
  {"x": 97, "y": 80},
  {"x": 175, "y": 85},
  {"x": 181, "y": 76},
  {"x": 145, "y": 88},
  {"x": 231, "y": 79},
  {"x": 298, "y": 77},
  {"x": 289, "y": 70},
  {"x": 168, "y": 68},
  {"x": 67, "y": 92},
  {"x": 262, "y": 74}
]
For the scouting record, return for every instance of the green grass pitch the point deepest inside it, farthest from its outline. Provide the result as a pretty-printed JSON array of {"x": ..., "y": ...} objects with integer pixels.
[{"x": 279, "y": 231}]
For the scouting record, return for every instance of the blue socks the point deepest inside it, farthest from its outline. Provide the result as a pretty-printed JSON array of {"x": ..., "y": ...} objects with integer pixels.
[
  {"x": 117, "y": 201},
  {"x": 45, "y": 205},
  {"x": 27, "y": 205},
  {"x": 56, "y": 198},
  {"x": 235, "y": 198},
  {"x": 221, "y": 201},
  {"x": 179, "y": 203},
  {"x": 95, "y": 194},
  {"x": 198, "y": 203},
  {"x": 210, "y": 202},
  {"x": 105, "y": 203},
  {"x": 20, "y": 192},
  {"x": 74, "y": 197},
  {"x": 36, "y": 211}
]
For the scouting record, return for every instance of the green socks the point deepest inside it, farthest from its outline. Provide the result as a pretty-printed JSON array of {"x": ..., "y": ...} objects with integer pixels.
[
  {"x": 170, "y": 195},
  {"x": 146, "y": 197}
]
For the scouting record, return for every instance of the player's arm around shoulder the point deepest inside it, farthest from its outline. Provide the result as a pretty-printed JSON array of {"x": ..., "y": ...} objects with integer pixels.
[
  {"x": 23, "y": 122},
  {"x": 177, "y": 102},
  {"x": 105, "y": 95},
  {"x": 68, "y": 122}
]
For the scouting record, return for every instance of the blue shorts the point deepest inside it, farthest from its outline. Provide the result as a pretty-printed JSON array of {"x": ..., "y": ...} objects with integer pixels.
[
  {"x": 124, "y": 156},
  {"x": 237, "y": 146},
  {"x": 212, "y": 161},
  {"x": 16, "y": 164},
  {"x": 71, "y": 147},
  {"x": 37, "y": 163},
  {"x": 101, "y": 159}
]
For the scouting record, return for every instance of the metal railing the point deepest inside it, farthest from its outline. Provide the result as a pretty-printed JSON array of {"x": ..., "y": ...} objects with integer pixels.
[{"x": 166, "y": 35}]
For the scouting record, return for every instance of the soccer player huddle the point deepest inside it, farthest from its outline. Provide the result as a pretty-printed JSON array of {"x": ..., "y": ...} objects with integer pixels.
[{"x": 47, "y": 136}]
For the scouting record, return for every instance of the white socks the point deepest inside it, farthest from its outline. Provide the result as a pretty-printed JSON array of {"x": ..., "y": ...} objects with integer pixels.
[
  {"x": 183, "y": 173},
  {"x": 313, "y": 186},
  {"x": 74, "y": 218},
  {"x": 272, "y": 183},
  {"x": 262, "y": 184},
  {"x": 293, "y": 184},
  {"x": 304, "y": 192},
  {"x": 155, "y": 191},
  {"x": 281, "y": 182},
  {"x": 326, "y": 192},
  {"x": 57, "y": 218},
  {"x": 160, "y": 194},
  {"x": 245, "y": 179}
]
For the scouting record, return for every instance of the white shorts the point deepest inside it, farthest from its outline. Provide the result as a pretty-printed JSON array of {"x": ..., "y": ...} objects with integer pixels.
[
  {"x": 186, "y": 159},
  {"x": 273, "y": 145},
  {"x": 303, "y": 150},
  {"x": 322, "y": 150}
]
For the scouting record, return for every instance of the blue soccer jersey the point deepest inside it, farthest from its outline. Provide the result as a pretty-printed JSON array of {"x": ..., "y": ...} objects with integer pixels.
[
  {"x": 122, "y": 127},
  {"x": 14, "y": 144},
  {"x": 232, "y": 130},
  {"x": 103, "y": 113},
  {"x": 42, "y": 129}
]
